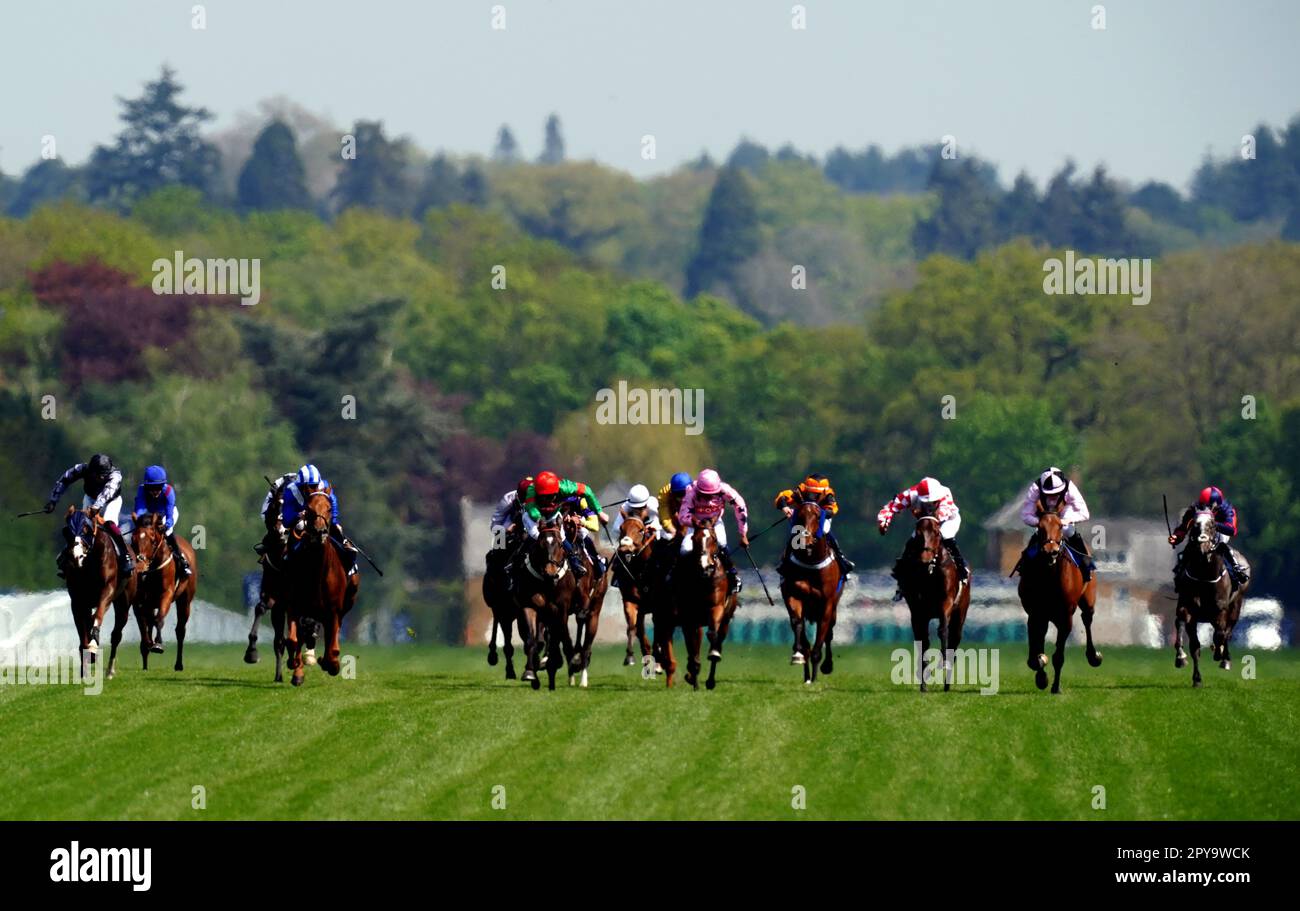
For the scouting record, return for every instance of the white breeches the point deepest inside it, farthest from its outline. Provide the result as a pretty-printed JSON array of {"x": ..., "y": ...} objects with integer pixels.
[
  {"x": 718, "y": 529},
  {"x": 110, "y": 511},
  {"x": 949, "y": 529}
]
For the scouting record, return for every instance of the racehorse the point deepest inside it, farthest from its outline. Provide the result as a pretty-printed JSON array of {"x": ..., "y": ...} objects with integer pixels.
[
  {"x": 1050, "y": 589},
  {"x": 270, "y": 597},
  {"x": 90, "y": 573},
  {"x": 544, "y": 591},
  {"x": 1205, "y": 595},
  {"x": 588, "y": 599},
  {"x": 934, "y": 590},
  {"x": 637, "y": 544},
  {"x": 318, "y": 588},
  {"x": 700, "y": 596},
  {"x": 157, "y": 587},
  {"x": 505, "y": 612},
  {"x": 811, "y": 585}
]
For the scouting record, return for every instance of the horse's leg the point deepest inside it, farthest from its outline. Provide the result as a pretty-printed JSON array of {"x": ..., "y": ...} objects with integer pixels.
[
  {"x": 828, "y": 665},
  {"x": 692, "y": 636},
  {"x": 277, "y": 624},
  {"x": 250, "y": 654},
  {"x": 556, "y": 639},
  {"x": 121, "y": 610},
  {"x": 821, "y": 646},
  {"x": 921, "y": 639},
  {"x": 492, "y": 641},
  {"x": 1194, "y": 644},
  {"x": 508, "y": 646},
  {"x": 1086, "y": 609},
  {"x": 105, "y": 598},
  {"x": 642, "y": 638},
  {"x": 1037, "y": 624},
  {"x": 293, "y": 645},
  {"x": 633, "y": 617},
  {"x": 799, "y": 651},
  {"x": 182, "y": 621},
  {"x": 1058, "y": 657},
  {"x": 532, "y": 646},
  {"x": 330, "y": 662},
  {"x": 146, "y": 626},
  {"x": 1221, "y": 634},
  {"x": 1180, "y": 621},
  {"x": 945, "y": 664}
]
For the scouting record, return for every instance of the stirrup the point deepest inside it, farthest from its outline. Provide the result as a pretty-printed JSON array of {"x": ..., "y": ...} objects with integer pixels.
[{"x": 898, "y": 594}]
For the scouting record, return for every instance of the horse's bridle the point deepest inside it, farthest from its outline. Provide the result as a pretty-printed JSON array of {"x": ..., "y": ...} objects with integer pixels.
[
  {"x": 934, "y": 561},
  {"x": 562, "y": 564}
]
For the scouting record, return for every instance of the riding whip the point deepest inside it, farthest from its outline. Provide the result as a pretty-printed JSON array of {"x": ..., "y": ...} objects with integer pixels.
[{"x": 760, "y": 576}]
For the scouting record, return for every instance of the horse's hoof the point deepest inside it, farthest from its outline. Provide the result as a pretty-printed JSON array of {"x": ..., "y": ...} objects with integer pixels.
[
  {"x": 1040, "y": 680},
  {"x": 536, "y": 682},
  {"x": 279, "y": 678},
  {"x": 710, "y": 683},
  {"x": 573, "y": 680},
  {"x": 1225, "y": 664},
  {"x": 155, "y": 648},
  {"x": 510, "y": 673},
  {"x": 1196, "y": 682},
  {"x": 492, "y": 659},
  {"x": 251, "y": 656},
  {"x": 584, "y": 678},
  {"x": 1095, "y": 659},
  {"x": 296, "y": 680},
  {"x": 1180, "y": 661},
  {"x": 715, "y": 654},
  {"x": 309, "y": 657},
  {"x": 690, "y": 678},
  {"x": 807, "y": 681},
  {"x": 1056, "y": 690},
  {"x": 92, "y": 649},
  {"x": 659, "y": 668},
  {"x": 796, "y": 658},
  {"x": 111, "y": 674},
  {"x": 629, "y": 661},
  {"x": 179, "y": 666}
]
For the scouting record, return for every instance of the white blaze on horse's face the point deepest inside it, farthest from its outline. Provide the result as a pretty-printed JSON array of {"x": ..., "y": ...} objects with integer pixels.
[
  {"x": 1206, "y": 532},
  {"x": 79, "y": 551},
  {"x": 704, "y": 551}
]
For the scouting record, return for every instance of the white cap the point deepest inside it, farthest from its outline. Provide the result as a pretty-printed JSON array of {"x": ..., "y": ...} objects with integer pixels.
[
  {"x": 1052, "y": 481},
  {"x": 638, "y": 496}
]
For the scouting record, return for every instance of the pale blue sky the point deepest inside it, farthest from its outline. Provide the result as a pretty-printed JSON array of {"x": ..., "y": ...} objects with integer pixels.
[{"x": 1025, "y": 83}]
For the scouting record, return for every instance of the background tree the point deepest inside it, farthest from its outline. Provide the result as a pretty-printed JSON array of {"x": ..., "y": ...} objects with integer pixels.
[
  {"x": 46, "y": 181},
  {"x": 377, "y": 177},
  {"x": 507, "y": 149},
  {"x": 553, "y": 147},
  {"x": 729, "y": 234},
  {"x": 274, "y": 177}
]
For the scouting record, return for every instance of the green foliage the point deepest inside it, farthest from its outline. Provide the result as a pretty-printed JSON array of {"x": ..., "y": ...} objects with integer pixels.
[
  {"x": 274, "y": 177},
  {"x": 728, "y": 236}
]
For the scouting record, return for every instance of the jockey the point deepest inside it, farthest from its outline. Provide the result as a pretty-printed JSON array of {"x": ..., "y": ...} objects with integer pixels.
[
  {"x": 101, "y": 491},
  {"x": 1225, "y": 520},
  {"x": 1053, "y": 492},
  {"x": 507, "y": 520},
  {"x": 704, "y": 502},
  {"x": 670, "y": 495},
  {"x": 816, "y": 488},
  {"x": 306, "y": 482},
  {"x": 639, "y": 503},
  {"x": 928, "y": 497},
  {"x": 156, "y": 497},
  {"x": 544, "y": 499},
  {"x": 272, "y": 505}
]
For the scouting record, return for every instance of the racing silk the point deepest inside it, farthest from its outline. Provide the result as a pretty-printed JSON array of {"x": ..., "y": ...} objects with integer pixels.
[
  {"x": 795, "y": 496},
  {"x": 163, "y": 503},
  {"x": 672, "y": 502},
  {"x": 275, "y": 492},
  {"x": 944, "y": 510},
  {"x": 708, "y": 508},
  {"x": 568, "y": 489},
  {"x": 507, "y": 511},
  {"x": 1225, "y": 519},
  {"x": 1072, "y": 510},
  {"x": 101, "y": 495},
  {"x": 295, "y": 499}
]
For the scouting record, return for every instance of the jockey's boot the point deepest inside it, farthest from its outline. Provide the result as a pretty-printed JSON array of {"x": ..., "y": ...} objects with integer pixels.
[
  {"x": 123, "y": 555},
  {"x": 596, "y": 559},
  {"x": 846, "y": 565},
  {"x": 575, "y": 560},
  {"x": 733, "y": 578},
  {"x": 182, "y": 564},
  {"x": 1086, "y": 564},
  {"x": 1236, "y": 572},
  {"x": 963, "y": 570}
]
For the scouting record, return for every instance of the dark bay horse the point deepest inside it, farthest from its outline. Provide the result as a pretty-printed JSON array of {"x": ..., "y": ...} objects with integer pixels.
[
  {"x": 811, "y": 585},
  {"x": 544, "y": 591},
  {"x": 699, "y": 596},
  {"x": 632, "y": 565},
  {"x": 93, "y": 583},
  {"x": 934, "y": 590},
  {"x": 317, "y": 586},
  {"x": 157, "y": 587},
  {"x": 1205, "y": 595},
  {"x": 505, "y": 612},
  {"x": 270, "y": 593},
  {"x": 1051, "y": 588},
  {"x": 588, "y": 598}
]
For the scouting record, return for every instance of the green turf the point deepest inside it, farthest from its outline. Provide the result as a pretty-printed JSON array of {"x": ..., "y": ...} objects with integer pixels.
[{"x": 429, "y": 733}]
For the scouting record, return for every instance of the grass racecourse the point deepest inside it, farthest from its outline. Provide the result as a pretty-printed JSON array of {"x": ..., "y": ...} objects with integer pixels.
[{"x": 434, "y": 733}]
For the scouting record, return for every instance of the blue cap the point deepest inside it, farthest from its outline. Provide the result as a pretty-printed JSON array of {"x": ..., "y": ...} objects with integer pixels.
[
  {"x": 680, "y": 482},
  {"x": 155, "y": 474}
]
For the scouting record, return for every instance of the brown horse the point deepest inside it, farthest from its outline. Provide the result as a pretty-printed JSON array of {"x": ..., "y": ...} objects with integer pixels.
[
  {"x": 811, "y": 585},
  {"x": 588, "y": 599},
  {"x": 270, "y": 596},
  {"x": 544, "y": 591},
  {"x": 317, "y": 587},
  {"x": 157, "y": 587},
  {"x": 1205, "y": 595},
  {"x": 505, "y": 612},
  {"x": 934, "y": 590},
  {"x": 1050, "y": 590},
  {"x": 632, "y": 565},
  {"x": 700, "y": 595},
  {"x": 91, "y": 575}
]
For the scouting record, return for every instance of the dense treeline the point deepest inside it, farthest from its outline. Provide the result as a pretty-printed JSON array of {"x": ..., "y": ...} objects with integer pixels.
[{"x": 459, "y": 384}]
